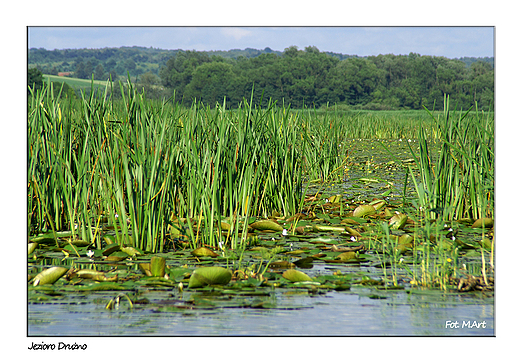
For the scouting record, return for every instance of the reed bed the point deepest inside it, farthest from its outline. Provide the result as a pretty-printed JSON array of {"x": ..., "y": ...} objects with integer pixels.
[
  {"x": 153, "y": 171},
  {"x": 458, "y": 182},
  {"x": 148, "y": 172}
]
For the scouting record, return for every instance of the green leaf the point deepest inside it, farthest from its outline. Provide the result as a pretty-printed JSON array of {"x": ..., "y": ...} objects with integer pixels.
[
  {"x": 209, "y": 276},
  {"x": 49, "y": 276},
  {"x": 296, "y": 276},
  {"x": 398, "y": 221},
  {"x": 486, "y": 222},
  {"x": 266, "y": 225},
  {"x": 157, "y": 266},
  {"x": 203, "y": 252},
  {"x": 364, "y": 210}
]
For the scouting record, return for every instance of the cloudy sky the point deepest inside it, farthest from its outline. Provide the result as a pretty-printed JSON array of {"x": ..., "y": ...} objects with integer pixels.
[{"x": 451, "y": 42}]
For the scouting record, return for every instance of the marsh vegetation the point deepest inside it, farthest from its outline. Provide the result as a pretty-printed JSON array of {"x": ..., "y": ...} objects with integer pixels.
[{"x": 132, "y": 195}]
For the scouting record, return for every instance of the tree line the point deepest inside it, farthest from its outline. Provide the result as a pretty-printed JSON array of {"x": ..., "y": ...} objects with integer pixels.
[
  {"x": 312, "y": 78},
  {"x": 301, "y": 78}
]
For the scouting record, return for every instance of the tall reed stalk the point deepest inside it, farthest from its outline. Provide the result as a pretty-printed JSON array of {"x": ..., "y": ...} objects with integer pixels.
[
  {"x": 460, "y": 182},
  {"x": 147, "y": 171}
]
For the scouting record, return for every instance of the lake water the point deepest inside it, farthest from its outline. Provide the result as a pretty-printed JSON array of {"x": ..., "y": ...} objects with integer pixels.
[{"x": 358, "y": 311}]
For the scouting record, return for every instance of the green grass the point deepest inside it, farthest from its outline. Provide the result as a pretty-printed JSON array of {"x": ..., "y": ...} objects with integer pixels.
[{"x": 75, "y": 83}]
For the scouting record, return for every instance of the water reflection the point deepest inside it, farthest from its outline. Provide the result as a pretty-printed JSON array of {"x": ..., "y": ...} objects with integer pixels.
[{"x": 334, "y": 313}]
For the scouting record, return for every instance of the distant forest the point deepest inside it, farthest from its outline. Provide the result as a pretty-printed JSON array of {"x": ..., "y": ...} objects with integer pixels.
[{"x": 298, "y": 77}]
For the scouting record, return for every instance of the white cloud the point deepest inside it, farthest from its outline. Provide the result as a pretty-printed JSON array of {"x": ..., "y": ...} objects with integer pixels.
[{"x": 236, "y": 33}]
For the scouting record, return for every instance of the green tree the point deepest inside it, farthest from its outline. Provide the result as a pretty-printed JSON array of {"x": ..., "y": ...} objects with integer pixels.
[
  {"x": 34, "y": 79},
  {"x": 178, "y": 72},
  {"x": 149, "y": 79},
  {"x": 210, "y": 83},
  {"x": 353, "y": 81},
  {"x": 99, "y": 72},
  {"x": 80, "y": 71},
  {"x": 482, "y": 78}
]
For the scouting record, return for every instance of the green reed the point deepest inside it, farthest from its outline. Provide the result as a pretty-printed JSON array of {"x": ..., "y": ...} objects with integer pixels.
[
  {"x": 143, "y": 169},
  {"x": 460, "y": 182}
]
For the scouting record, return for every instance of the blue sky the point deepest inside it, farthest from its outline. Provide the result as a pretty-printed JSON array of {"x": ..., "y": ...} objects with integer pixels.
[{"x": 451, "y": 42}]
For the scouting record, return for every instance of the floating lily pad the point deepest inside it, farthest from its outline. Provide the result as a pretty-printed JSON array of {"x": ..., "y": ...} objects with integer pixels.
[
  {"x": 131, "y": 251},
  {"x": 111, "y": 249},
  {"x": 96, "y": 275},
  {"x": 405, "y": 239},
  {"x": 486, "y": 222},
  {"x": 364, "y": 210},
  {"x": 266, "y": 225},
  {"x": 31, "y": 247},
  {"x": 320, "y": 228},
  {"x": 209, "y": 276},
  {"x": 203, "y": 252},
  {"x": 335, "y": 199},
  {"x": 296, "y": 276},
  {"x": 282, "y": 264},
  {"x": 352, "y": 232},
  {"x": 347, "y": 256},
  {"x": 49, "y": 276},
  {"x": 377, "y": 204},
  {"x": 398, "y": 221},
  {"x": 157, "y": 266}
]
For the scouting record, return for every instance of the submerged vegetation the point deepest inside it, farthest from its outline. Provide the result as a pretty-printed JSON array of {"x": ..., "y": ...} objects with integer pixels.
[{"x": 205, "y": 197}]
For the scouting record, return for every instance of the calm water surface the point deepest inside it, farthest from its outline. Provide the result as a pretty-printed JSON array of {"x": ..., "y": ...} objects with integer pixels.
[{"x": 334, "y": 313}]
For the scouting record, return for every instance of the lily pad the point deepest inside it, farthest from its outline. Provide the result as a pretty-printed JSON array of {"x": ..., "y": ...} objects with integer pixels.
[
  {"x": 131, "y": 251},
  {"x": 49, "y": 276},
  {"x": 205, "y": 276},
  {"x": 266, "y": 225},
  {"x": 95, "y": 275},
  {"x": 282, "y": 264},
  {"x": 321, "y": 228},
  {"x": 335, "y": 199},
  {"x": 31, "y": 247},
  {"x": 296, "y": 276},
  {"x": 398, "y": 221},
  {"x": 157, "y": 266},
  {"x": 352, "y": 232},
  {"x": 377, "y": 204},
  {"x": 486, "y": 222},
  {"x": 347, "y": 256},
  {"x": 203, "y": 252},
  {"x": 364, "y": 210}
]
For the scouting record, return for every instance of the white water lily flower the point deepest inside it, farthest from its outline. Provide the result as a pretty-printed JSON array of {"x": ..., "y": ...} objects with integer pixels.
[
  {"x": 353, "y": 239},
  {"x": 452, "y": 238},
  {"x": 284, "y": 232},
  {"x": 90, "y": 253}
]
